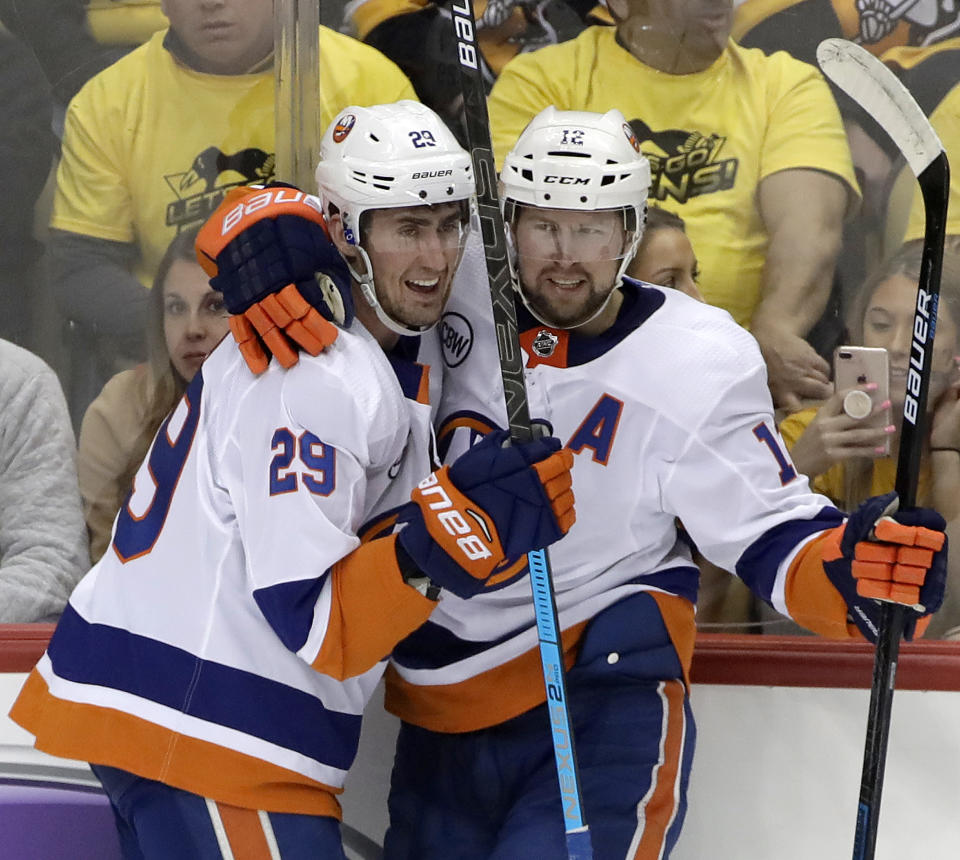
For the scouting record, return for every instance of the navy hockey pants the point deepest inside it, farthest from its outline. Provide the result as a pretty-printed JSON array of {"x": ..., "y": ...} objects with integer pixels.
[
  {"x": 159, "y": 822},
  {"x": 493, "y": 794}
]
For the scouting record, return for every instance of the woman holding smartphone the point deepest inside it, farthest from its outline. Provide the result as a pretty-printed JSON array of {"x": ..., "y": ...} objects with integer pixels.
[{"x": 850, "y": 458}]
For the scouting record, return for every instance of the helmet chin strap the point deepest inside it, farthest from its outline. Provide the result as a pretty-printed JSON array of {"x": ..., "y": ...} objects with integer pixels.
[{"x": 369, "y": 291}]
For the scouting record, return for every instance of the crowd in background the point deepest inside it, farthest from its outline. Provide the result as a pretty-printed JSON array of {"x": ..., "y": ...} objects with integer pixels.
[{"x": 773, "y": 196}]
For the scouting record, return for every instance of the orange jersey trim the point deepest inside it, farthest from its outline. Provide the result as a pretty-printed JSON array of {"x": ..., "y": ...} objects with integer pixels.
[
  {"x": 812, "y": 600},
  {"x": 514, "y": 687},
  {"x": 493, "y": 697},
  {"x": 372, "y": 609},
  {"x": 107, "y": 736}
]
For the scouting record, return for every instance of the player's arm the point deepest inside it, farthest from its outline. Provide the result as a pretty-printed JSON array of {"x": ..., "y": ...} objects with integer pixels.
[
  {"x": 464, "y": 531},
  {"x": 267, "y": 251},
  {"x": 741, "y": 499}
]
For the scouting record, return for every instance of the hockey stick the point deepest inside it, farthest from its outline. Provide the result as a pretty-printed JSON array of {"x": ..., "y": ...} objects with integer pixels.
[
  {"x": 876, "y": 89},
  {"x": 518, "y": 415}
]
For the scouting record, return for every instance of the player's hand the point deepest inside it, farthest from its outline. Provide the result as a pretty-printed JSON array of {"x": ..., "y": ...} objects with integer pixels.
[
  {"x": 469, "y": 525},
  {"x": 833, "y": 436},
  {"x": 881, "y": 554},
  {"x": 283, "y": 280}
]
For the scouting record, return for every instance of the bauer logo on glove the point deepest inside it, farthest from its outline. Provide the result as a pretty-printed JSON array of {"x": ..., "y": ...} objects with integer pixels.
[
  {"x": 471, "y": 545},
  {"x": 470, "y": 525}
]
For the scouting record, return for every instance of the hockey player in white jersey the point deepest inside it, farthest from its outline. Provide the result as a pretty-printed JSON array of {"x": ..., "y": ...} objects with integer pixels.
[
  {"x": 663, "y": 402},
  {"x": 213, "y": 667}
]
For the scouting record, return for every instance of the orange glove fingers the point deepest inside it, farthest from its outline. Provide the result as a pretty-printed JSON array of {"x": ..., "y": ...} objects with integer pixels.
[
  {"x": 890, "y": 531},
  {"x": 908, "y": 574},
  {"x": 295, "y": 304},
  {"x": 915, "y": 557},
  {"x": 314, "y": 335},
  {"x": 554, "y": 465},
  {"x": 556, "y": 486},
  {"x": 278, "y": 344},
  {"x": 564, "y": 511},
  {"x": 908, "y": 595},
  {"x": 871, "y": 570},
  {"x": 273, "y": 308},
  {"x": 879, "y": 552},
  {"x": 250, "y": 349}
]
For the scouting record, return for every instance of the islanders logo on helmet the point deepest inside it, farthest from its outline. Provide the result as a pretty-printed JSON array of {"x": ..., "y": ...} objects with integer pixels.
[
  {"x": 343, "y": 127},
  {"x": 631, "y": 136}
]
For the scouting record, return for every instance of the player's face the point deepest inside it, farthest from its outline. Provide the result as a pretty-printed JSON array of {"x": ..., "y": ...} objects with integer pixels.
[
  {"x": 414, "y": 252},
  {"x": 224, "y": 37},
  {"x": 194, "y": 317},
  {"x": 666, "y": 257},
  {"x": 567, "y": 260},
  {"x": 888, "y": 323}
]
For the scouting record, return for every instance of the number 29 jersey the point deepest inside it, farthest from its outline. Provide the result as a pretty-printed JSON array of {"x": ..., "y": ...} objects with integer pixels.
[{"x": 221, "y": 646}]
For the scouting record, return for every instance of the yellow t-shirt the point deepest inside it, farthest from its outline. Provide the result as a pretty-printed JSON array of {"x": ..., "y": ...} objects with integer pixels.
[
  {"x": 124, "y": 22},
  {"x": 150, "y": 147},
  {"x": 711, "y": 137},
  {"x": 946, "y": 122},
  {"x": 832, "y": 482}
]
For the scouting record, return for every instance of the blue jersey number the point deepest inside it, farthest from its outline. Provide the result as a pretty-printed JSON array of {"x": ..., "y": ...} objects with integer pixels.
[
  {"x": 318, "y": 458},
  {"x": 767, "y": 436},
  {"x": 136, "y": 535}
]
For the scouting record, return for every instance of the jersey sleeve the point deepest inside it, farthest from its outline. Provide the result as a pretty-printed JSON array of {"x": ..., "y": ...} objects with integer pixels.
[
  {"x": 92, "y": 196},
  {"x": 305, "y": 483},
  {"x": 748, "y": 510}
]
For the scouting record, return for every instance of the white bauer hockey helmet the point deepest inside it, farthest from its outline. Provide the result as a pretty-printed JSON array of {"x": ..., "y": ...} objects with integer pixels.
[
  {"x": 577, "y": 160},
  {"x": 386, "y": 157}
]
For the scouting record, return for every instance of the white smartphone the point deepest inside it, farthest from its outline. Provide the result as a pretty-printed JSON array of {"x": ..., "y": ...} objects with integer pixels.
[{"x": 856, "y": 366}]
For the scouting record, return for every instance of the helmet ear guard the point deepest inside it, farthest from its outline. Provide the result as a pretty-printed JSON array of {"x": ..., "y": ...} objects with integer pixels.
[
  {"x": 387, "y": 157},
  {"x": 576, "y": 160}
]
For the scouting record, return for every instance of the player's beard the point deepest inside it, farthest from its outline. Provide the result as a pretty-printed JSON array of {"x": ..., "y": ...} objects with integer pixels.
[{"x": 550, "y": 304}]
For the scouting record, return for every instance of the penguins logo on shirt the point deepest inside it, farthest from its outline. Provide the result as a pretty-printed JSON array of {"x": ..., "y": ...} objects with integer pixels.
[
  {"x": 930, "y": 20},
  {"x": 201, "y": 188},
  {"x": 684, "y": 164}
]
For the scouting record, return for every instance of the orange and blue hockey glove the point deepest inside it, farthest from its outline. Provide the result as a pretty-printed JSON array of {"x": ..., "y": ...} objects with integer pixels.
[
  {"x": 882, "y": 554},
  {"x": 469, "y": 526},
  {"x": 284, "y": 282}
]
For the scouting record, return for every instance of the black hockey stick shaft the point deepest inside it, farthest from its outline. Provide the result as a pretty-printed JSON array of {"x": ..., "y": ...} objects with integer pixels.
[
  {"x": 518, "y": 415},
  {"x": 935, "y": 188}
]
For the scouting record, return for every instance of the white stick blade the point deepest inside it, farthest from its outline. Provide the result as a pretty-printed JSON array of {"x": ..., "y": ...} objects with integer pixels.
[{"x": 878, "y": 91}]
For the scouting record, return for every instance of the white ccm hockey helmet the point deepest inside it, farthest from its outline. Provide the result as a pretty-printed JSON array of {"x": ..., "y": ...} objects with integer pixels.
[
  {"x": 577, "y": 160},
  {"x": 386, "y": 157}
]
